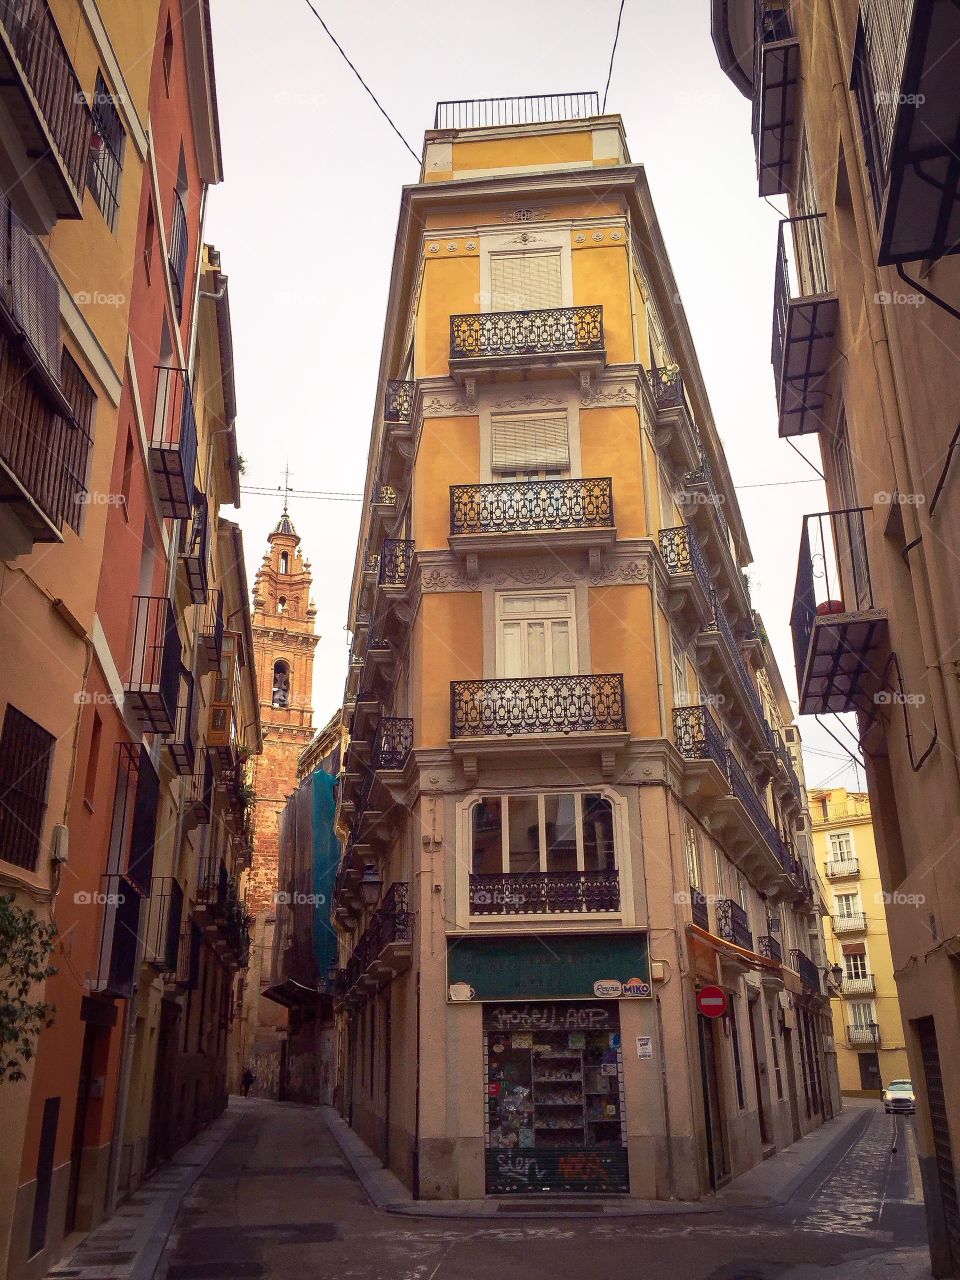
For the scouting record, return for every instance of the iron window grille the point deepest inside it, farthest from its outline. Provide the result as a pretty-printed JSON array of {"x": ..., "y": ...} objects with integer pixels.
[
  {"x": 537, "y": 704},
  {"x": 105, "y": 166},
  {"x": 188, "y": 958},
  {"x": 26, "y": 756},
  {"x": 210, "y": 628},
  {"x": 178, "y": 252},
  {"x": 537, "y": 506},
  {"x": 76, "y": 439}
]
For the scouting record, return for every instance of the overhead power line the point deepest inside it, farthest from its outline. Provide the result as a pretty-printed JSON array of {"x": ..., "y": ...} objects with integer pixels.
[
  {"x": 322, "y": 495},
  {"x": 613, "y": 53},
  {"x": 340, "y": 49}
]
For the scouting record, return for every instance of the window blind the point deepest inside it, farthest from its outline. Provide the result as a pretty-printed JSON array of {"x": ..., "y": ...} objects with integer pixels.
[
  {"x": 525, "y": 281},
  {"x": 530, "y": 444}
]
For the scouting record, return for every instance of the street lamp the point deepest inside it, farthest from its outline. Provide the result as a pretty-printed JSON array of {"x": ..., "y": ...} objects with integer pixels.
[
  {"x": 370, "y": 886},
  {"x": 874, "y": 1028},
  {"x": 836, "y": 972}
]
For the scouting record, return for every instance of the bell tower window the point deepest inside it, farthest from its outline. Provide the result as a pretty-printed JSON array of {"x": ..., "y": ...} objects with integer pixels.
[
  {"x": 284, "y": 562},
  {"x": 282, "y": 605},
  {"x": 281, "y": 683}
]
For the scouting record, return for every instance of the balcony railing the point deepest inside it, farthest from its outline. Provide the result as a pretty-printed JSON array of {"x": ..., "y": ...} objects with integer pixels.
[
  {"x": 537, "y": 704},
  {"x": 173, "y": 444},
  {"x": 152, "y": 685},
  {"x": 394, "y": 563},
  {"x": 770, "y": 947},
  {"x": 808, "y": 972},
  {"x": 864, "y": 1035},
  {"x": 54, "y": 116},
  {"x": 134, "y": 819},
  {"x": 213, "y": 884},
  {"x": 544, "y": 892},
  {"x": 182, "y": 746},
  {"x": 539, "y": 108},
  {"x": 850, "y": 922},
  {"x": 177, "y": 253},
  {"x": 863, "y": 985},
  {"x": 210, "y": 630},
  {"x": 733, "y": 924},
  {"x": 392, "y": 744},
  {"x": 742, "y": 678},
  {"x": 776, "y": 82},
  {"x": 682, "y": 555},
  {"x": 531, "y": 506},
  {"x": 556, "y": 331},
  {"x": 842, "y": 868},
  {"x": 197, "y": 793},
  {"x": 119, "y": 937},
  {"x": 837, "y": 628},
  {"x": 746, "y": 793},
  {"x": 698, "y": 736},
  {"x": 389, "y": 927},
  {"x": 805, "y": 314},
  {"x": 195, "y": 534},
  {"x": 667, "y": 386},
  {"x": 699, "y": 912},
  {"x": 163, "y": 924},
  {"x": 398, "y": 401}
]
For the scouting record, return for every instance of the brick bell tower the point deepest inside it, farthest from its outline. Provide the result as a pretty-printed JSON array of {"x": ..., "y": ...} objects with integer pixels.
[{"x": 283, "y": 643}]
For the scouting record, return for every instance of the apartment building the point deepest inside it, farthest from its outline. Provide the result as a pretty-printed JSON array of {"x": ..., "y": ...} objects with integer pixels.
[
  {"x": 117, "y": 447},
  {"x": 853, "y": 111},
  {"x": 567, "y": 803}
]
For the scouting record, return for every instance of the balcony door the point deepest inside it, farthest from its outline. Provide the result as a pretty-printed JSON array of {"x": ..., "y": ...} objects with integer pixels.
[
  {"x": 535, "y": 634},
  {"x": 847, "y": 904},
  {"x": 849, "y": 534},
  {"x": 855, "y": 962},
  {"x": 862, "y": 1016}
]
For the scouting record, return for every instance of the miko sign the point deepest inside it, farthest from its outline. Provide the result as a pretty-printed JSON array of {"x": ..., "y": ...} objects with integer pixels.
[{"x": 712, "y": 1002}]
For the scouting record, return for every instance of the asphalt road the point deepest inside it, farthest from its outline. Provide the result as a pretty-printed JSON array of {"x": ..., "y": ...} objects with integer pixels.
[{"x": 280, "y": 1201}]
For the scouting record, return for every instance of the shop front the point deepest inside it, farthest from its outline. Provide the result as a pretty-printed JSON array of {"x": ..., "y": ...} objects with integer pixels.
[{"x": 553, "y": 1079}]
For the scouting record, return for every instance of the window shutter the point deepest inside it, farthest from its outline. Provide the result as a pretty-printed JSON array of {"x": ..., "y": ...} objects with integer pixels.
[
  {"x": 525, "y": 281},
  {"x": 853, "y": 949},
  {"x": 529, "y": 444}
]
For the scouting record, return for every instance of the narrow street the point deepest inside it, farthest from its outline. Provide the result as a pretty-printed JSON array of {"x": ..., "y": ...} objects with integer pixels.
[{"x": 280, "y": 1200}]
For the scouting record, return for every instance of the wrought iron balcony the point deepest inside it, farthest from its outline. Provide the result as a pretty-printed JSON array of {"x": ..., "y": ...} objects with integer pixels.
[
  {"x": 384, "y": 946},
  {"x": 698, "y": 736},
  {"x": 682, "y": 555},
  {"x": 667, "y": 386},
  {"x": 839, "y": 634},
  {"x": 850, "y": 922},
  {"x": 776, "y": 87},
  {"x": 841, "y": 868},
  {"x": 544, "y": 892},
  {"x": 214, "y": 889},
  {"x": 805, "y": 317},
  {"x": 531, "y": 506},
  {"x": 119, "y": 937},
  {"x": 699, "y": 912},
  {"x": 163, "y": 924},
  {"x": 733, "y": 924},
  {"x": 864, "y": 1035},
  {"x": 769, "y": 947},
  {"x": 392, "y": 744},
  {"x": 808, "y": 972},
  {"x": 197, "y": 793},
  {"x": 194, "y": 548},
  {"x": 46, "y": 101},
  {"x": 398, "y": 401},
  {"x": 394, "y": 562},
  {"x": 210, "y": 630},
  {"x": 539, "y": 108},
  {"x": 744, "y": 790},
  {"x": 537, "y": 705},
  {"x": 134, "y": 820},
  {"x": 182, "y": 746},
  {"x": 178, "y": 252},
  {"x": 863, "y": 985},
  {"x": 737, "y": 669},
  {"x": 187, "y": 973},
  {"x": 152, "y": 685},
  {"x": 173, "y": 444},
  {"x": 557, "y": 335}
]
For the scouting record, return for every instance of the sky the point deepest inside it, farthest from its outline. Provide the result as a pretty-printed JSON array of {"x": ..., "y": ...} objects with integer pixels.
[{"x": 305, "y": 223}]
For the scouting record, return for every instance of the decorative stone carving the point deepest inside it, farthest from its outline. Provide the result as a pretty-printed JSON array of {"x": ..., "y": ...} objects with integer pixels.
[
  {"x": 596, "y": 396},
  {"x": 614, "y": 572},
  {"x": 524, "y": 214},
  {"x": 436, "y": 407}
]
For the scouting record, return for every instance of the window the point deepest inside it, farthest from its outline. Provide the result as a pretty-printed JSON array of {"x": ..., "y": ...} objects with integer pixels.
[
  {"x": 281, "y": 683},
  {"x": 563, "y": 831},
  {"x": 721, "y": 872},
  {"x": 149, "y": 240},
  {"x": 681, "y": 690},
  {"x": 26, "y": 755},
  {"x": 284, "y": 562},
  {"x": 865, "y": 96},
  {"x": 811, "y": 259},
  {"x": 841, "y": 846},
  {"x": 691, "y": 849},
  {"x": 855, "y": 966},
  {"x": 529, "y": 447},
  {"x": 737, "y": 1064},
  {"x": 846, "y": 904},
  {"x": 525, "y": 281},
  {"x": 168, "y": 55},
  {"x": 78, "y": 436},
  {"x": 535, "y": 634},
  {"x": 93, "y": 759},
  {"x": 106, "y": 153},
  {"x": 127, "y": 474},
  {"x": 776, "y": 1051},
  {"x": 282, "y": 605},
  {"x": 740, "y": 890},
  {"x": 862, "y": 1014}
]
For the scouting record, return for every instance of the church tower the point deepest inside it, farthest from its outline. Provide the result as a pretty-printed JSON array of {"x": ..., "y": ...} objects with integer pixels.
[{"x": 283, "y": 645}]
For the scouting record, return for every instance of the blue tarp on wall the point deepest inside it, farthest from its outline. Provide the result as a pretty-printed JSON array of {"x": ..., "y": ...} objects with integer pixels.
[{"x": 326, "y": 857}]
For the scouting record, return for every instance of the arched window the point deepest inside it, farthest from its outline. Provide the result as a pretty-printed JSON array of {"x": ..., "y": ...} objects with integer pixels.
[
  {"x": 282, "y": 604},
  {"x": 284, "y": 562},
  {"x": 281, "y": 683}
]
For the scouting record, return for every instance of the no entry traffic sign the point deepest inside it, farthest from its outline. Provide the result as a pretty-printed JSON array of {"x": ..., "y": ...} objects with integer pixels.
[{"x": 712, "y": 1002}]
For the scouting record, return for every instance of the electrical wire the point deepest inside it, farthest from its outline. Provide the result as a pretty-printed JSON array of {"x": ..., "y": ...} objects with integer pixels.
[
  {"x": 316, "y": 494},
  {"x": 772, "y": 484},
  {"x": 613, "y": 53},
  {"x": 342, "y": 52}
]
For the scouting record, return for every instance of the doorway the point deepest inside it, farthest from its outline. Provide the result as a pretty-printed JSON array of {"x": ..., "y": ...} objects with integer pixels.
[
  {"x": 763, "y": 1088},
  {"x": 717, "y": 1164},
  {"x": 870, "y": 1081},
  {"x": 84, "y": 1084},
  {"x": 791, "y": 1083}
]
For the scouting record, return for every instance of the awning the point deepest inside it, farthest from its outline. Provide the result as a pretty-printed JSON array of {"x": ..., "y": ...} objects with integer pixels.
[
  {"x": 722, "y": 947},
  {"x": 853, "y": 949},
  {"x": 290, "y": 993}
]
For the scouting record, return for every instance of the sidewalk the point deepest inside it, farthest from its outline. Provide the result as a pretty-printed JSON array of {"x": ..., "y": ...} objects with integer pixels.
[{"x": 771, "y": 1183}]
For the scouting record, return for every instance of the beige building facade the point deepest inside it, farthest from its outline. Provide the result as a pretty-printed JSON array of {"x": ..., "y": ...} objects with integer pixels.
[
  {"x": 853, "y": 108},
  {"x": 568, "y": 804}
]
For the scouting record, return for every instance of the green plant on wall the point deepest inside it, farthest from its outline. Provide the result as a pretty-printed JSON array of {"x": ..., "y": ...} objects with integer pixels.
[{"x": 25, "y": 945}]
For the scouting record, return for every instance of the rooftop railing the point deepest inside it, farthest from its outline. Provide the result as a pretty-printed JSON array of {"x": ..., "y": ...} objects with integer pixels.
[{"x": 538, "y": 108}]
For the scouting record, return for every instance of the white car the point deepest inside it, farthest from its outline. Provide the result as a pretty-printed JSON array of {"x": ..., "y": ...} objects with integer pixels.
[{"x": 899, "y": 1096}]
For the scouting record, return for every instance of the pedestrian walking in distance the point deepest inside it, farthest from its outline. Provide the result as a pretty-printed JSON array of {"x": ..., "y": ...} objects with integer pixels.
[{"x": 246, "y": 1080}]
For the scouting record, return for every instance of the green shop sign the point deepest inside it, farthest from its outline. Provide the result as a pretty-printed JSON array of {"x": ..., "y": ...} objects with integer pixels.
[{"x": 549, "y": 967}]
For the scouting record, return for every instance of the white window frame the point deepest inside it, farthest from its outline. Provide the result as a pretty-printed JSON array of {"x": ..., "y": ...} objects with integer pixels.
[
  {"x": 681, "y": 682},
  {"x": 693, "y": 856},
  {"x": 847, "y": 913},
  {"x": 860, "y": 956},
  {"x": 543, "y": 240},
  {"x": 856, "y": 1019},
  {"x": 840, "y": 855},
  {"x": 570, "y": 618}
]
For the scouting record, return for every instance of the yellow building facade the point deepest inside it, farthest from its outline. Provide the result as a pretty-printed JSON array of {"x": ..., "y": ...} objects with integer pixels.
[
  {"x": 867, "y": 1028},
  {"x": 568, "y": 801}
]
